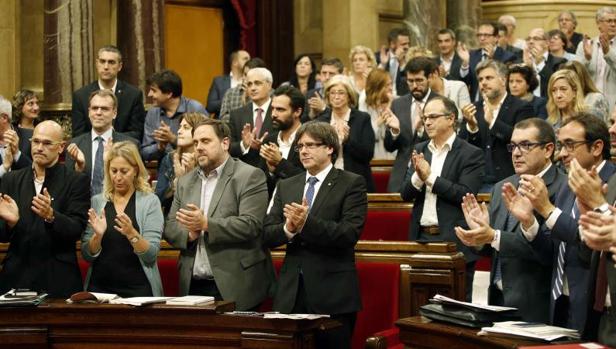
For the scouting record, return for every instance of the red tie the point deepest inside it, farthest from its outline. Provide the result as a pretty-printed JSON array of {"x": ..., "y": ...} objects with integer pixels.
[
  {"x": 601, "y": 283},
  {"x": 259, "y": 121}
]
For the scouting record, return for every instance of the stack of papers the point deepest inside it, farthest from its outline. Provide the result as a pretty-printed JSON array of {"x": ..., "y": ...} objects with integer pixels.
[
  {"x": 446, "y": 300},
  {"x": 139, "y": 301},
  {"x": 294, "y": 316},
  {"x": 190, "y": 300},
  {"x": 20, "y": 298},
  {"x": 529, "y": 330}
]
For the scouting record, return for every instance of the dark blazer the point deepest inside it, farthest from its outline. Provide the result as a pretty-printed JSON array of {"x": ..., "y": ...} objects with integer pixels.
[
  {"x": 462, "y": 173},
  {"x": 286, "y": 168},
  {"x": 517, "y": 52},
  {"x": 521, "y": 264},
  {"x": 572, "y": 44},
  {"x": 219, "y": 86},
  {"x": 454, "y": 70},
  {"x": 84, "y": 143},
  {"x": 495, "y": 139},
  {"x": 551, "y": 65},
  {"x": 402, "y": 87},
  {"x": 41, "y": 255},
  {"x": 577, "y": 270},
  {"x": 306, "y": 112},
  {"x": 237, "y": 119},
  {"x": 323, "y": 252},
  {"x": 131, "y": 114},
  {"x": 475, "y": 58},
  {"x": 539, "y": 107},
  {"x": 358, "y": 150},
  {"x": 23, "y": 162},
  {"x": 404, "y": 143}
]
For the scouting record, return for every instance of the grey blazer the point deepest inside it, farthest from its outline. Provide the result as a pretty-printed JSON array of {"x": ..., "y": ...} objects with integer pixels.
[
  {"x": 150, "y": 221},
  {"x": 241, "y": 266}
]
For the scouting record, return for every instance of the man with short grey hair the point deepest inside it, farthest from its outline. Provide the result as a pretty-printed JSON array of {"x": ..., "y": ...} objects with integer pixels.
[
  {"x": 599, "y": 54},
  {"x": 10, "y": 154},
  {"x": 567, "y": 22}
]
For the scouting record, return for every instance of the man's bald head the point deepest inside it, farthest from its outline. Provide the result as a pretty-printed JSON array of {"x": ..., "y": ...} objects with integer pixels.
[{"x": 47, "y": 144}]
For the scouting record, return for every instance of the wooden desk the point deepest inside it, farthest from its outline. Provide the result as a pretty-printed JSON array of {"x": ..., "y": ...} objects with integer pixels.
[
  {"x": 420, "y": 333},
  {"x": 56, "y": 324}
]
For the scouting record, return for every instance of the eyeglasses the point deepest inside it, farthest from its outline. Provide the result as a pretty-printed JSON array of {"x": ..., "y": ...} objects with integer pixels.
[
  {"x": 524, "y": 147},
  {"x": 535, "y": 38},
  {"x": 308, "y": 145},
  {"x": 337, "y": 93},
  {"x": 609, "y": 20},
  {"x": 432, "y": 117},
  {"x": 483, "y": 35},
  {"x": 45, "y": 143},
  {"x": 569, "y": 145}
]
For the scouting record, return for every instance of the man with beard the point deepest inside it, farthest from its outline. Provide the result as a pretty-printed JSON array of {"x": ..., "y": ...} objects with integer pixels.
[
  {"x": 216, "y": 222},
  {"x": 488, "y": 123},
  {"x": 43, "y": 211},
  {"x": 279, "y": 158},
  {"x": 408, "y": 110}
]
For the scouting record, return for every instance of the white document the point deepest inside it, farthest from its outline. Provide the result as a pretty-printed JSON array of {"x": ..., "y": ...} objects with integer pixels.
[
  {"x": 294, "y": 316},
  {"x": 139, "y": 301},
  {"x": 190, "y": 300},
  {"x": 446, "y": 300},
  {"x": 530, "y": 330}
]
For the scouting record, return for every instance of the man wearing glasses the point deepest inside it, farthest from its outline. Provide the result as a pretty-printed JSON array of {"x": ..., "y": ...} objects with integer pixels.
[
  {"x": 10, "y": 154},
  {"x": 583, "y": 142},
  {"x": 537, "y": 56},
  {"x": 319, "y": 214},
  {"x": 442, "y": 170},
  {"x": 599, "y": 54},
  {"x": 519, "y": 277},
  {"x": 43, "y": 211}
]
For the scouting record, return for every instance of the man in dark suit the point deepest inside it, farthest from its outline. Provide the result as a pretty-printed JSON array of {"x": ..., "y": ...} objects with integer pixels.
[
  {"x": 442, "y": 171},
  {"x": 448, "y": 60},
  {"x": 102, "y": 111},
  {"x": 279, "y": 159},
  {"x": 503, "y": 42},
  {"x": 567, "y": 22},
  {"x": 408, "y": 110},
  {"x": 487, "y": 33},
  {"x": 216, "y": 221},
  {"x": 488, "y": 123},
  {"x": 11, "y": 157},
  {"x": 519, "y": 277},
  {"x": 43, "y": 212},
  {"x": 319, "y": 215},
  {"x": 131, "y": 113},
  {"x": 251, "y": 124},
  {"x": 315, "y": 98},
  {"x": 393, "y": 58},
  {"x": 222, "y": 83},
  {"x": 537, "y": 56}
]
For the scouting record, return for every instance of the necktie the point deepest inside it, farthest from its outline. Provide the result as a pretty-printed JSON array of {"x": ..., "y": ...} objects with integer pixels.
[
  {"x": 97, "y": 170},
  {"x": 484, "y": 56},
  {"x": 393, "y": 68},
  {"x": 310, "y": 191},
  {"x": 417, "y": 114},
  {"x": 259, "y": 121},
  {"x": 557, "y": 288},
  {"x": 601, "y": 283}
]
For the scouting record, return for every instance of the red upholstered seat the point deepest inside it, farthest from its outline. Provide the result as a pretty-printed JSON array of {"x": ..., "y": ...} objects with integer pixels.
[
  {"x": 170, "y": 276},
  {"x": 387, "y": 225},
  {"x": 484, "y": 264},
  {"x": 381, "y": 178}
]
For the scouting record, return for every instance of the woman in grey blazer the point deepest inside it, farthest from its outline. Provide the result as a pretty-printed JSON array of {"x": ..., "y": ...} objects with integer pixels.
[{"x": 124, "y": 231}]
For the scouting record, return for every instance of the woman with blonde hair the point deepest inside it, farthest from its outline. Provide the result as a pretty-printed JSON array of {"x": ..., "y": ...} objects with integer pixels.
[
  {"x": 353, "y": 127},
  {"x": 124, "y": 231},
  {"x": 362, "y": 62},
  {"x": 594, "y": 100},
  {"x": 565, "y": 97},
  {"x": 376, "y": 101}
]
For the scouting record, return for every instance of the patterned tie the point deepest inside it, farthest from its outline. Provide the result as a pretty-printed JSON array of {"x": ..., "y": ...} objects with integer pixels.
[
  {"x": 416, "y": 115},
  {"x": 601, "y": 283},
  {"x": 259, "y": 121},
  {"x": 557, "y": 288},
  {"x": 97, "y": 171},
  {"x": 310, "y": 191}
]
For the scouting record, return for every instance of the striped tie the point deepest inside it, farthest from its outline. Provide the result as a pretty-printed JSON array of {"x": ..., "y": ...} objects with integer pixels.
[{"x": 557, "y": 289}]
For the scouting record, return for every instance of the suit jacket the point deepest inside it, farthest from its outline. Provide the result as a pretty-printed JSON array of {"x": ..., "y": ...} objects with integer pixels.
[
  {"x": 23, "y": 162},
  {"x": 551, "y": 65},
  {"x": 517, "y": 52},
  {"x": 475, "y": 58},
  {"x": 306, "y": 112},
  {"x": 84, "y": 143},
  {"x": 42, "y": 255},
  {"x": 404, "y": 143},
  {"x": 454, "y": 70},
  {"x": 609, "y": 75},
  {"x": 241, "y": 265},
  {"x": 462, "y": 173},
  {"x": 358, "y": 150},
  {"x": 323, "y": 252},
  {"x": 572, "y": 44},
  {"x": 494, "y": 140},
  {"x": 131, "y": 114},
  {"x": 521, "y": 264},
  {"x": 219, "y": 86},
  {"x": 237, "y": 119},
  {"x": 286, "y": 167},
  {"x": 539, "y": 107},
  {"x": 402, "y": 87}
]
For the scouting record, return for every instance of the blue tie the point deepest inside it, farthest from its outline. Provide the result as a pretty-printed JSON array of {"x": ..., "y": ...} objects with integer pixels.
[
  {"x": 310, "y": 191},
  {"x": 97, "y": 170},
  {"x": 557, "y": 288}
]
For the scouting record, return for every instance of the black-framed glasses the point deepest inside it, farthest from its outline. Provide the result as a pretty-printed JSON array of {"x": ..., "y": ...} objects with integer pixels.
[
  {"x": 432, "y": 117},
  {"x": 308, "y": 145},
  {"x": 524, "y": 147},
  {"x": 569, "y": 145}
]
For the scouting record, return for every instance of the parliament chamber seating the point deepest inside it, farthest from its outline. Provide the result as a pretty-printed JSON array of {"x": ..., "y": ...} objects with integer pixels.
[{"x": 381, "y": 169}]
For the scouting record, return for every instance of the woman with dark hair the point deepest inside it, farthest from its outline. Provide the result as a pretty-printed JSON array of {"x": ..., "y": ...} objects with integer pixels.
[
  {"x": 25, "y": 116},
  {"x": 521, "y": 82},
  {"x": 304, "y": 74},
  {"x": 557, "y": 44}
]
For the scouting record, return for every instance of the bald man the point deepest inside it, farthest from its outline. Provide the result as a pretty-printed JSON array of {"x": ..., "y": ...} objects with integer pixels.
[{"x": 43, "y": 211}]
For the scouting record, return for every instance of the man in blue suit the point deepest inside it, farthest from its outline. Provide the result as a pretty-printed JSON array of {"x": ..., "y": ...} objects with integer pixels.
[
  {"x": 583, "y": 141},
  {"x": 222, "y": 83},
  {"x": 487, "y": 34}
]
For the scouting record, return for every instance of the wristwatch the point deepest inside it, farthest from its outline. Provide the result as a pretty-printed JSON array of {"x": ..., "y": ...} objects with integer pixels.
[
  {"x": 134, "y": 239},
  {"x": 605, "y": 208}
]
